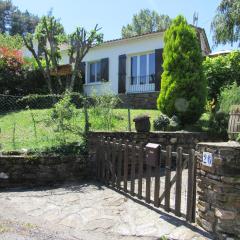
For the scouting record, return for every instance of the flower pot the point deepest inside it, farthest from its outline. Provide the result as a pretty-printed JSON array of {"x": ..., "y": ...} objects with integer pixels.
[{"x": 142, "y": 123}]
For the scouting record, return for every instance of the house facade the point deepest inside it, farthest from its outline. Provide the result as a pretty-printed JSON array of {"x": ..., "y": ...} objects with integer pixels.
[{"x": 129, "y": 67}]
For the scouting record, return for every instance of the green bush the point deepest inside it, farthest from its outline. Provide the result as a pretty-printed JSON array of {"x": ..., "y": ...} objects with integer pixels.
[
  {"x": 229, "y": 96},
  {"x": 161, "y": 123},
  {"x": 218, "y": 124},
  {"x": 164, "y": 123},
  {"x": 103, "y": 109},
  {"x": 65, "y": 119},
  {"x": 221, "y": 71},
  {"x": 183, "y": 87}
]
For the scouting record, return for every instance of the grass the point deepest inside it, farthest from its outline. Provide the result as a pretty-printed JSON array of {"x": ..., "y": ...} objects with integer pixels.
[{"x": 19, "y": 131}]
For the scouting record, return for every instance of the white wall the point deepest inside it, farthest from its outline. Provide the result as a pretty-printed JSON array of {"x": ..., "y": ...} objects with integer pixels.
[{"x": 112, "y": 51}]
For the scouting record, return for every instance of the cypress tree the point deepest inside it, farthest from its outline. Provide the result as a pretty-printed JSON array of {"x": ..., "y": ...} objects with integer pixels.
[{"x": 183, "y": 86}]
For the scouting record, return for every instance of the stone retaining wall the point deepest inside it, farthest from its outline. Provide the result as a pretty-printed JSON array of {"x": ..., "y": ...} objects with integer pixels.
[
  {"x": 218, "y": 189},
  {"x": 23, "y": 170},
  {"x": 139, "y": 100}
]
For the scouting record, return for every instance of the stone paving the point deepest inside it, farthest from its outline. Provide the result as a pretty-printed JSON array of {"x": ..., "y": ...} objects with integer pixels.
[{"x": 85, "y": 211}]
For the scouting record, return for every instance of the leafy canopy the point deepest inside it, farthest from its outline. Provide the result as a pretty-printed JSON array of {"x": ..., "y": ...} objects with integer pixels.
[
  {"x": 11, "y": 42},
  {"x": 183, "y": 86},
  {"x": 45, "y": 45},
  {"x": 230, "y": 96},
  {"x": 13, "y": 21},
  {"x": 221, "y": 71},
  {"x": 226, "y": 23},
  {"x": 146, "y": 21}
]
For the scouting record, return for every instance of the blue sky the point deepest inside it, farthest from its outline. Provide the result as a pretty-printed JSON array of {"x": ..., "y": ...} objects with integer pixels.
[{"x": 111, "y": 15}]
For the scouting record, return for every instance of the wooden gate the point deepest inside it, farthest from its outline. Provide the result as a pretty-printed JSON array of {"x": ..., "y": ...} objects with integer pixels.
[{"x": 170, "y": 184}]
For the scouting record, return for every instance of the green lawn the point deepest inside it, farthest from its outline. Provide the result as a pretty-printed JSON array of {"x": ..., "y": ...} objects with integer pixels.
[{"x": 18, "y": 131}]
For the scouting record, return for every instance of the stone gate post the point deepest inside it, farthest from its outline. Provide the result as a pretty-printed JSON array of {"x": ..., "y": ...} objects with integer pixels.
[{"x": 218, "y": 189}]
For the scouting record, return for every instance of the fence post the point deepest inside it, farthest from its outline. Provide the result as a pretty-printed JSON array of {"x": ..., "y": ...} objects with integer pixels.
[{"x": 129, "y": 120}]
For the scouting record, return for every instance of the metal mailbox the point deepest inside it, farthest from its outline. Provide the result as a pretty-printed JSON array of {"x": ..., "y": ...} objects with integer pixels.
[{"x": 152, "y": 154}]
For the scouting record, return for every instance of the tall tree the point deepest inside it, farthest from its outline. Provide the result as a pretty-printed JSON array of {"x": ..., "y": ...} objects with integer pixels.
[
  {"x": 13, "y": 21},
  {"x": 183, "y": 87},
  {"x": 45, "y": 45},
  {"x": 146, "y": 21},
  {"x": 6, "y": 9},
  {"x": 80, "y": 43},
  {"x": 226, "y": 23}
]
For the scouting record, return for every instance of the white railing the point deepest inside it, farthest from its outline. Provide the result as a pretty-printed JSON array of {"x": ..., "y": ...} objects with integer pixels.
[{"x": 140, "y": 84}]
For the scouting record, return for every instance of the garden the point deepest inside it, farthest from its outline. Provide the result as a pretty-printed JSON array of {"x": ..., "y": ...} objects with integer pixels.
[{"x": 194, "y": 97}]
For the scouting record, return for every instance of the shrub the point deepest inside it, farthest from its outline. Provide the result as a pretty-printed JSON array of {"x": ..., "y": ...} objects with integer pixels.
[
  {"x": 221, "y": 71},
  {"x": 64, "y": 118},
  {"x": 229, "y": 96},
  {"x": 161, "y": 123},
  {"x": 218, "y": 124},
  {"x": 103, "y": 110},
  {"x": 183, "y": 87}
]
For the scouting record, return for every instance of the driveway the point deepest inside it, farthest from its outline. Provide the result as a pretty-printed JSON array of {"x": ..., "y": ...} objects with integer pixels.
[{"x": 85, "y": 211}]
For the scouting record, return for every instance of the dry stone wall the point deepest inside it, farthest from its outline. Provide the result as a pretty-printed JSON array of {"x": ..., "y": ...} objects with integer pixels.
[
  {"x": 218, "y": 189},
  {"x": 139, "y": 100},
  {"x": 28, "y": 171},
  {"x": 186, "y": 140}
]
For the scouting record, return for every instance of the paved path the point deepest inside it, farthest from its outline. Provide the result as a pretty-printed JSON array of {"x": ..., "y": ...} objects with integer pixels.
[{"x": 84, "y": 211}]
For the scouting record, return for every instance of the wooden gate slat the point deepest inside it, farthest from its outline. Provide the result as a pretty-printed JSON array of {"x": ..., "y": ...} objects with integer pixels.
[
  {"x": 114, "y": 162},
  {"x": 125, "y": 171},
  {"x": 119, "y": 163},
  {"x": 194, "y": 189},
  {"x": 103, "y": 160},
  {"x": 140, "y": 170},
  {"x": 133, "y": 169},
  {"x": 148, "y": 183},
  {"x": 190, "y": 191},
  {"x": 107, "y": 163},
  {"x": 178, "y": 182},
  {"x": 98, "y": 159},
  {"x": 168, "y": 177},
  {"x": 157, "y": 180}
]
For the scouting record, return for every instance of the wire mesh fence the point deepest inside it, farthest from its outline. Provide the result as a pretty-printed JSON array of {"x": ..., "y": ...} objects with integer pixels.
[
  {"x": 46, "y": 121},
  {"x": 39, "y": 122}
]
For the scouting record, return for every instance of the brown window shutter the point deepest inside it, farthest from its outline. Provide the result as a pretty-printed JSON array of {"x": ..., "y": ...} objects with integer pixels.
[
  {"x": 82, "y": 69},
  {"x": 158, "y": 68},
  {"x": 122, "y": 73},
  {"x": 105, "y": 69}
]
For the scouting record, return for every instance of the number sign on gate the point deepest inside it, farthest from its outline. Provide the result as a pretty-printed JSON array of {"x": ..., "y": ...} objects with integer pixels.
[{"x": 207, "y": 159}]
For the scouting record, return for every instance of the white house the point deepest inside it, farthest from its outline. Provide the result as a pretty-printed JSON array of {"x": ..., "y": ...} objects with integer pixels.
[{"x": 128, "y": 66}]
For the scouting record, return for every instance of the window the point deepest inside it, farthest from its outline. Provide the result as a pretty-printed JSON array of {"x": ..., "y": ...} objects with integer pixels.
[
  {"x": 143, "y": 69},
  {"x": 95, "y": 72},
  {"x": 134, "y": 70},
  {"x": 151, "y": 64}
]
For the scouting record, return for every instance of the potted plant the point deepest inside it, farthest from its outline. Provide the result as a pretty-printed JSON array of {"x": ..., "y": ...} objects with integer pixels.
[{"x": 142, "y": 123}]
